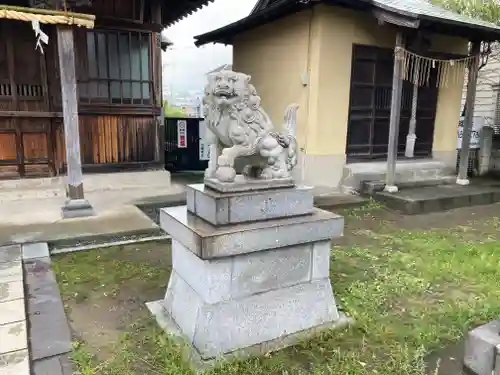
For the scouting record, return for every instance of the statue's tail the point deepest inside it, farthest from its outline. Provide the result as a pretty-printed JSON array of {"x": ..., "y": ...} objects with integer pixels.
[
  {"x": 290, "y": 130},
  {"x": 290, "y": 125}
]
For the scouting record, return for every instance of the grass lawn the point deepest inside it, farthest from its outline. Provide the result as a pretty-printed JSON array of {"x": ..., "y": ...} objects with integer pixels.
[{"x": 413, "y": 285}]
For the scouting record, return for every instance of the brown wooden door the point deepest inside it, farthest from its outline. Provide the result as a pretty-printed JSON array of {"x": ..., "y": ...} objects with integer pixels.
[
  {"x": 370, "y": 105},
  {"x": 25, "y": 122}
]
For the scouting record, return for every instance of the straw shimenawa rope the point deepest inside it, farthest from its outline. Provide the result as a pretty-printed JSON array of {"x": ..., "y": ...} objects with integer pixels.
[
  {"x": 417, "y": 69},
  {"x": 47, "y": 16}
]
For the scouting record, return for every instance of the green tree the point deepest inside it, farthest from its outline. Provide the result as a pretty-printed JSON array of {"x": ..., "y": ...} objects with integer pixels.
[
  {"x": 486, "y": 10},
  {"x": 172, "y": 111}
]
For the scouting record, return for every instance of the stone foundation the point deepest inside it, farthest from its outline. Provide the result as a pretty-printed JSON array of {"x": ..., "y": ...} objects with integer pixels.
[{"x": 253, "y": 275}]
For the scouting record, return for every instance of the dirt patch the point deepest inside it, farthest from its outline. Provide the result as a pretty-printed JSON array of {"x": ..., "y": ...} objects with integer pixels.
[{"x": 103, "y": 309}]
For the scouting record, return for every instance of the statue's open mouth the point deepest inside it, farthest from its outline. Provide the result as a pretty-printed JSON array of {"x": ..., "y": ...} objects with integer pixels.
[{"x": 224, "y": 94}]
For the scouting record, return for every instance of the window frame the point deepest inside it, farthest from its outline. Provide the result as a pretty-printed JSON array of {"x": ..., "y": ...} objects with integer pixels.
[{"x": 143, "y": 37}]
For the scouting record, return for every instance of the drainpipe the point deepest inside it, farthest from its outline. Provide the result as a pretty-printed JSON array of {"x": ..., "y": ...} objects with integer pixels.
[{"x": 303, "y": 149}]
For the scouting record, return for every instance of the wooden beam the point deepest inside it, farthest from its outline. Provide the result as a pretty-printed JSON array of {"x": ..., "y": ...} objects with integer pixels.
[
  {"x": 30, "y": 114},
  {"x": 157, "y": 66},
  {"x": 386, "y": 17},
  {"x": 76, "y": 205},
  {"x": 469, "y": 114},
  {"x": 112, "y": 22},
  {"x": 397, "y": 88}
]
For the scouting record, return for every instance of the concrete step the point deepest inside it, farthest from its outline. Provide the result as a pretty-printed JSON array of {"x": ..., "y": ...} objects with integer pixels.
[
  {"x": 428, "y": 199},
  {"x": 371, "y": 187},
  {"x": 355, "y": 174},
  {"x": 93, "y": 182},
  {"x": 40, "y": 188}
]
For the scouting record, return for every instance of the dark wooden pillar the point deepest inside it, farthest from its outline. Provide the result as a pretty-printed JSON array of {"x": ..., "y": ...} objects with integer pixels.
[
  {"x": 397, "y": 88},
  {"x": 156, "y": 13},
  {"x": 76, "y": 205},
  {"x": 469, "y": 114}
]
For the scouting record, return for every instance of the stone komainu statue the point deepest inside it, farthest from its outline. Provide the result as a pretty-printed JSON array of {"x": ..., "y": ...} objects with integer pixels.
[{"x": 239, "y": 127}]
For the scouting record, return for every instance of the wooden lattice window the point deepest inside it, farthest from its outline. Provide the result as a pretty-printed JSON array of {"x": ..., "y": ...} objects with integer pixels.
[
  {"x": 115, "y": 67},
  {"x": 20, "y": 63}
]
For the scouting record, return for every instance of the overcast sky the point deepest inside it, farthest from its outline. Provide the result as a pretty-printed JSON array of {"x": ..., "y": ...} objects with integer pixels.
[{"x": 184, "y": 64}]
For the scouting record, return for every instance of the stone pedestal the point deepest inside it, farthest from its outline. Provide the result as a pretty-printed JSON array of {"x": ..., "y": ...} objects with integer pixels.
[
  {"x": 482, "y": 349},
  {"x": 250, "y": 270}
]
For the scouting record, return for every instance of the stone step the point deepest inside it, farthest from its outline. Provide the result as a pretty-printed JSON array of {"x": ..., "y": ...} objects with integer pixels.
[
  {"x": 421, "y": 200},
  {"x": 371, "y": 187},
  {"x": 92, "y": 182},
  {"x": 355, "y": 174}
]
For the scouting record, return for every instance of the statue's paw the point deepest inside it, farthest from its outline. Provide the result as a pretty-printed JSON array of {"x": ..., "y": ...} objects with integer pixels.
[
  {"x": 247, "y": 170},
  {"x": 225, "y": 174},
  {"x": 267, "y": 174}
]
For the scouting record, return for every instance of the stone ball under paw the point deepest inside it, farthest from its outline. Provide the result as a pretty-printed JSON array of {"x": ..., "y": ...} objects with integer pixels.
[{"x": 225, "y": 174}]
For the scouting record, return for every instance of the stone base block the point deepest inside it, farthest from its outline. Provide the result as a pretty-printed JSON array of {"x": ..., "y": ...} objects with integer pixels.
[
  {"x": 242, "y": 184},
  {"x": 482, "y": 349},
  {"x": 233, "y": 208},
  {"x": 230, "y": 304},
  {"x": 241, "y": 276},
  {"x": 222, "y": 328},
  {"x": 77, "y": 208},
  {"x": 199, "y": 364},
  {"x": 208, "y": 241}
]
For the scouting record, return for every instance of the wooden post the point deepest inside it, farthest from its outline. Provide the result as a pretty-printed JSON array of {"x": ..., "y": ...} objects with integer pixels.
[
  {"x": 397, "y": 87},
  {"x": 469, "y": 114},
  {"x": 412, "y": 137},
  {"x": 76, "y": 205},
  {"x": 156, "y": 17}
]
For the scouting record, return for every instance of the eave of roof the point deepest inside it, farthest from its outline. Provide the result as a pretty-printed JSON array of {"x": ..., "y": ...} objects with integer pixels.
[
  {"x": 425, "y": 11},
  {"x": 429, "y": 14},
  {"x": 176, "y": 10}
]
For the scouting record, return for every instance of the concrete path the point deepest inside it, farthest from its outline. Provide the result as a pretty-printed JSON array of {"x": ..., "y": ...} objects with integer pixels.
[
  {"x": 30, "y": 211},
  {"x": 14, "y": 357},
  {"x": 40, "y": 341}
]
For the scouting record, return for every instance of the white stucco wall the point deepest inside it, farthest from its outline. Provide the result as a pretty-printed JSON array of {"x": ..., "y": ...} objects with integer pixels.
[{"x": 486, "y": 94}]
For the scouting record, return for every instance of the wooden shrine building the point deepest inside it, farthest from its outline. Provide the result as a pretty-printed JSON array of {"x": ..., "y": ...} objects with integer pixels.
[{"x": 118, "y": 83}]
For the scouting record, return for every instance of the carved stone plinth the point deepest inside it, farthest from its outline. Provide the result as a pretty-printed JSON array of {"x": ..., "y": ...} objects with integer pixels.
[
  {"x": 252, "y": 275},
  {"x": 242, "y": 184},
  {"x": 233, "y": 208}
]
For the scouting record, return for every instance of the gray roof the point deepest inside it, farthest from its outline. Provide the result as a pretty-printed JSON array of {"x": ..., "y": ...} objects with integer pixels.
[
  {"x": 428, "y": 16},
  {"x": 418, "y": 8}
]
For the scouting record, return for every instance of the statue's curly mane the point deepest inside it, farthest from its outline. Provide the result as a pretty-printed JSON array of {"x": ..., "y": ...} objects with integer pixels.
[{"x": 245, "y": 104}]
